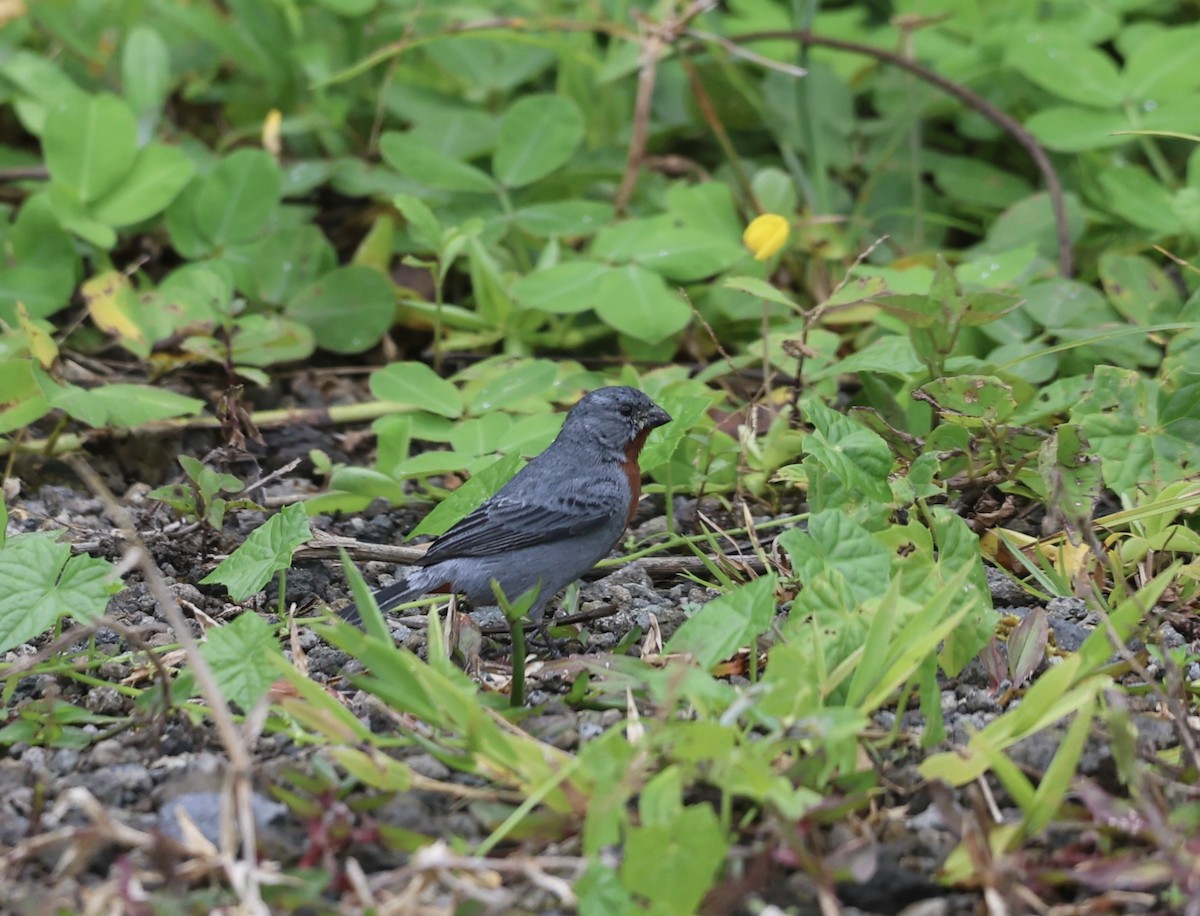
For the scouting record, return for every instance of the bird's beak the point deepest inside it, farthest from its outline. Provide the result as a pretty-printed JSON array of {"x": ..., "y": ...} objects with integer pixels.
[{"x": 655, "y": 417}]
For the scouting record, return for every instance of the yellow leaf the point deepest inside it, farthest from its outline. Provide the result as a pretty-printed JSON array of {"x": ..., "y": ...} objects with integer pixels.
[
  {"x": 270, "y": 132},
  {"x": 41, "y": 344},
  {"x": 109, "y": 299}
]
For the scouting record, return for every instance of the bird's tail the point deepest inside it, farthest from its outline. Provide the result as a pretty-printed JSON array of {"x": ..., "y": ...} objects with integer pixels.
[{"x": 389, "y": 596}]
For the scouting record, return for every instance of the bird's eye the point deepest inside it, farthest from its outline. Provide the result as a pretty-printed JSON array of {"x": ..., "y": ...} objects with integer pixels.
[{"x": 626, "y": 410}]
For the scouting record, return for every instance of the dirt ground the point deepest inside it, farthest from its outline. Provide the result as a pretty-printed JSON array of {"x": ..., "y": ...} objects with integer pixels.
[{"x": 143, "y": 764}]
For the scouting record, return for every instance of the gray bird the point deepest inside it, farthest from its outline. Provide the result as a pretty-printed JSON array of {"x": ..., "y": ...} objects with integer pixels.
[{"x": 560, "y": 515}]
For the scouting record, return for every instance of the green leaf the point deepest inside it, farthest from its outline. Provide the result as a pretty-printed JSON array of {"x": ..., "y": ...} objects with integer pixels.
[
  {"x": 1134, "y": 195},
  {"x": 90, "y": 143},
  {"x": 417, "y": 385},
  {"x": 1072, "y": 129},
  {"x": 22, "y": 400},
  {"x": 855, "y": 456},
  {"x": 835, "y": 541},
  {"x": 637, "y": 302},
  {"x": 42, "y": 266},
  {"x": 262, "y": 340},
  {"x": 1063, "y": 65},
  {"x": 538, "y": 134},
  {"x": 423, "y": 226},
  {"x": 413, "y": 159},
  {"x": 524, "y": 380},
  {"x": 727, "y": 623},
  {"x": 660, "y": 243},
  {"x": 233, "y": 203},
  {"x": 159, "y": 173},
  {"x": 530, "y": 435},
  {"x": 265, "y": 552},
  {"x": 478, "y": 436},
  {"x": 121, "y": 405},
  {"x": 1138, "y": 288},
  {"x": 690, "y": 848},
  {"x": 564, "y": 289},
  {"x": 349, "y": 309},
  {"x": 1162, "y": 67},
  {"x": 275, "y": 269},
  {"x": 40, "y": 583},
  {"x": 145, "y": 74},
  {"x": 1071, "y": 475},
  {"x": 760, "y": 289},
  {"x": 239, "y": 655},
  {"x": 469, "y": 496},
  {"x": 972, "y": 400},
  {"x": 1032, "y": 220},
  {"x": 1145, "y": 433},
  {"x": 570, "y": 218}
]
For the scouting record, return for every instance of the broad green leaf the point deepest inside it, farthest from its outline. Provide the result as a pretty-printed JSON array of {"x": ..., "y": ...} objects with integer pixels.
[
  {"x": 1074, "y": 129},
  {"x": 564, "y": 289},
  {"x": 972, "y": 400},
  {"x": 349, "y": 309},
  {"x": 708, "y": 206},
  {"x": 417, "y": 385},
  {"x": 266, "y": 551},
  {"x": 530, "y": 435},
  {"x": 760, "y": 289},
  {"x": 538, "y": 134},
  {"x": 22, "y": 400},
  {"x": 455, "y": 131},
  {"x": 570, "y": 218},
  {"x": 727, "y": 623},
  {"x": 479, "y": 435},
  {"x": 690, "y": 848},
  {"x": 1065, "y": 66},
  {"x": 73, "y": 215},
  {"x": 1162, "y": 67},
  {"x": 524, "y": 380},
  {"x": 1070, "y": 473},
  {"x": 423, "y": 225},
  {"x": 856, "y": 457},
  {"x": 239, "y": 655},
  {"x": 233, "y": 203},
  {"x": 40, "y": 582},
  {"x": 121, "y": 405},
  {"x": 90, "y": 143},
  {"x": 42, "y": 84},
  {"x": 158, "y": 174},
  {"x": 977, "y": 183},
  {"x": 1146, "y": 434},
  {"x": 1133, "y": 194},
  {"x": 835, "y": 541},
  {"x": 42, "y": 265},
  {"x": 145, "y": 75},
  {"x": 411, "y": 158},
  {"x": 677, "y": 252},
  {"x": 468, "y": 497},
  {"x": 277, "y": 268},
  {"x": 1032, "y": 220},
  {"x": 638, "y": 303}
]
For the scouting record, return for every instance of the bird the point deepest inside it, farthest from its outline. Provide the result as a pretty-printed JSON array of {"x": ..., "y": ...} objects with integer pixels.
[{"x": 553, "y": 521}]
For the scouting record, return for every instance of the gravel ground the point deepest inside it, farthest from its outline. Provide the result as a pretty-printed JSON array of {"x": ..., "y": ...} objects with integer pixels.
[{"x": 97, "y": 821}]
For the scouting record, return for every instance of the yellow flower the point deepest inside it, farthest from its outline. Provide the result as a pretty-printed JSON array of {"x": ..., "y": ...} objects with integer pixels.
[{"x": 765, "y": 235}]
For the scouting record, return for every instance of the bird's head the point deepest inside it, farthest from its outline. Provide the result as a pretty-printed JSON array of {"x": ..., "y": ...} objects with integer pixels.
[{"x": 617, "y": 419}]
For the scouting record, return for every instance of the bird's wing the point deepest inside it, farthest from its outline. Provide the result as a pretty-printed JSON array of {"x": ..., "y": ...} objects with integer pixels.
[{"x": 504, "y": 523}]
